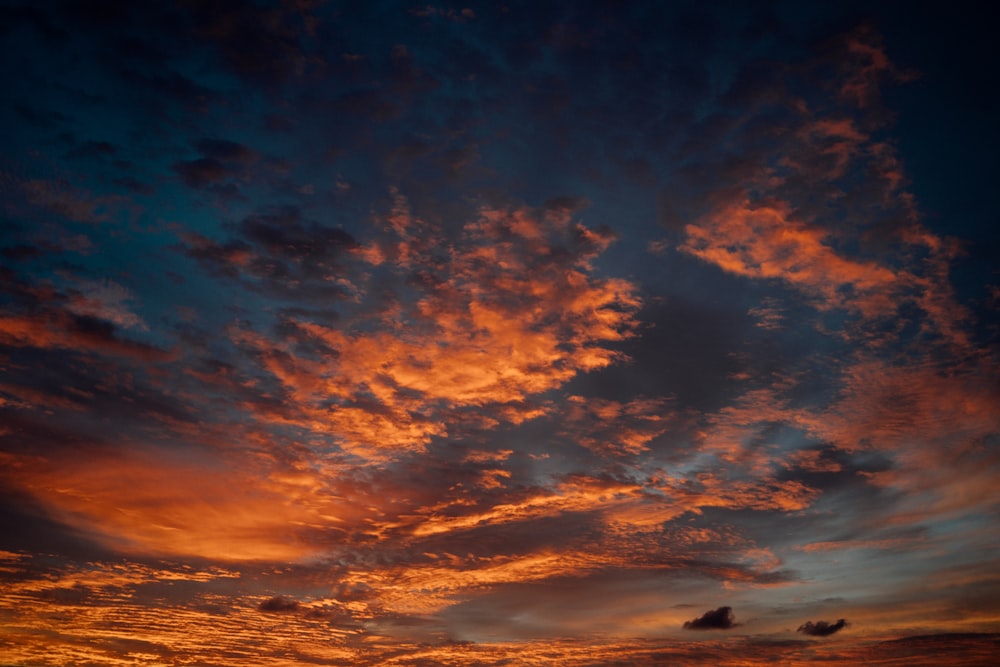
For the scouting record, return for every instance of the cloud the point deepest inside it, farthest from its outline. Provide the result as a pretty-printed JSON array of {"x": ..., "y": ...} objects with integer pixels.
[
  {"x": 865, "y": 66},
  {"x": 853, "y": 244},
  {"x": 195, "y": 504},
  {"x": 821, "y": 628},
  {"x": 72, "y": 202},
  {"x": 435, "y": 407},
  {"x": 261, "y": 45},
  {"x": 221, "y": 160},
  {"x": 281, "y": 254},
  {"x": 83, "y": 333},
  {"x": 509, "y": 310},
  {"x": 716, "y": 619},
  {"x": 202, "y": 172},
  {"x": 73, "y": 595},
  {"x": 764, "y": 240},
  {"x": 223, "y": 149},
  {"x": 21, "y": 252},
  {"x": 93, "y": 149},
  {"x": 106, "y": 300},
  {"x": 279, "y": 604},
  {"x": 615, "y": 428}
]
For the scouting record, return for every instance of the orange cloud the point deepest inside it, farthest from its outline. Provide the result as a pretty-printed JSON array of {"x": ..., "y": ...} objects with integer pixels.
[
  {"x": 147, "y": 502},
  {"x": 59, "y": 329},
  {"x": 611, "y": 427},
  {"x": 839, "y": 545},
  {"x": 865, "y": 66},
  {"x": 764, "y": 240},
  {"x": 508, "y": 313},
  {"x": 934, "y": 424}
]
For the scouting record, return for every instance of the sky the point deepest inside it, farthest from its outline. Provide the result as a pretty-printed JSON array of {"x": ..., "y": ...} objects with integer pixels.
[{"x": 499, "y": 333}]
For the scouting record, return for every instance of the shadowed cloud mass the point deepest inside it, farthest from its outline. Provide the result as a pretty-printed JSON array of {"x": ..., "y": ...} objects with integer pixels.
[
  {"x": 722, "y": 618},
  {"x": 821, "y": 628}
]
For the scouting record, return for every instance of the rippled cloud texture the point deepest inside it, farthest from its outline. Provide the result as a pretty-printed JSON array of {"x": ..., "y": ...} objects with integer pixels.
[{"x": 526, "y": 333}]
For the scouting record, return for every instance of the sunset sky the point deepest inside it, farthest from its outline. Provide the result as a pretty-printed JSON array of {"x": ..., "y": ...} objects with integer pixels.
[{"x": 508, "y": 333}]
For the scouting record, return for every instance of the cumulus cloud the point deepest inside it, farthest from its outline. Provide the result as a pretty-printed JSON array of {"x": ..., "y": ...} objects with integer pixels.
[
  {"x": 822, "y": 628},
  {"x": 716, "y": 619}
]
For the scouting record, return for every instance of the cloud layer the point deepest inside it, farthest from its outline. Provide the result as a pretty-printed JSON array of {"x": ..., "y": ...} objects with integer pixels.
[{"x": 380, "y": 334}]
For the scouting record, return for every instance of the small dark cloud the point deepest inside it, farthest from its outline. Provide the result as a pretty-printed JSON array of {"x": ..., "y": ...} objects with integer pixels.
[
  {"x": 20, "y": 252},
  {"x": 279, "y": 604},
  {"x": 822, "y": 628},
  {"x": 259, "y": 44},
  {"x": 225, "y": 259},
  {"x": 455, "y": 160},
  {"x": 171, "y": 84},
  {"x": 223, "y": 149},
  {"x": 276, "y": 123},
  {"x": 134, "y": 185},
  {"x": 566, "y": 204},
  {"x": 92, "y": 149},
  {"x": 43, "y": 118},
  {"x": 202, "y": 172},
  {"x": 77, "y": 594},
  {"x": 279, "y": 254},
  {"x": 221, "y": 159},
  {"x": 368, "y": 104},
  {"x": 716, "y": 619},
  {"x": 283, "y": 232}
]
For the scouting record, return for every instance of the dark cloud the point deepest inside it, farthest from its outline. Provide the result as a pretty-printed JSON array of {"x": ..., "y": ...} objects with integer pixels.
[
  {"x": 220, "y": 258},
  {"x": 43, "y": 118},
  {"x": 21, "y": 252},
  {"x": 278, "y": 253},
  {"x": 221, "y": 160},
  {"x": 822, "y": 628},
  {"x": 73, "y": 595},
  {"x": 134, "y": 185},
  {"x": 566, "y": 205},
  {"x": 61, "y": 329},
  {"x": 716, "y": 619},
  {"x": 202, "y": 172},
  {"x": 278, "y": 605},
  {"x": 259, "y": 44},
  {"x": 24, "y": 523},
  {"x": 173, "y": 85},
  {"x": 284, "y": 234},
  {"x": 223, "y": 149},
  {"x": 92, "y": 149}
]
